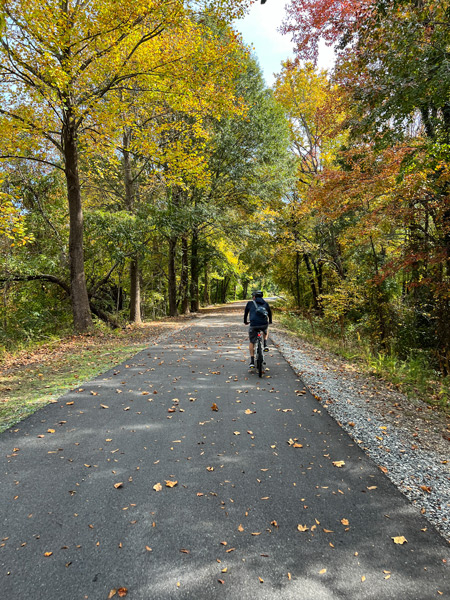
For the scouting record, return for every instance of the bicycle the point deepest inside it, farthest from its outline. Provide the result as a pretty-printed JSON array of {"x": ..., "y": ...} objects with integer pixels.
[{"x": 259, "y": 354}]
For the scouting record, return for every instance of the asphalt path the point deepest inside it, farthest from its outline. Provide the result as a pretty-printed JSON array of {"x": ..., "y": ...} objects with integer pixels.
[{"x": 272, "y": 499}]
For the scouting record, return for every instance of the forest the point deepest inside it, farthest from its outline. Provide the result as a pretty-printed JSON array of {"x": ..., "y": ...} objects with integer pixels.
[{"x": 147, "y": 170}]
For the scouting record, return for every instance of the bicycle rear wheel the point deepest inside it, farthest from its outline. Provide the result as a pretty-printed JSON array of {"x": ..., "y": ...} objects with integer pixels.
[{"x": 259, "y": 359}]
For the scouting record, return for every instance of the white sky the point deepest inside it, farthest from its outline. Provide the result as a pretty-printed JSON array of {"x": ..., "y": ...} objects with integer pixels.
[{"x": 259, "y": 29}]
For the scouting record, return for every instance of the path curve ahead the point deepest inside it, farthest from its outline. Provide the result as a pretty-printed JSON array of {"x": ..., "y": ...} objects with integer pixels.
[{"x": 273, "y": 500}]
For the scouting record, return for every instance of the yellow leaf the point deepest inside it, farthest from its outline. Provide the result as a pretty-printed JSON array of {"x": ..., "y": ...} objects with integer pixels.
[
  {"x": 48, "y": 553},
  {"x": 112, "y": 593},
  {"x": 302, "y": 528},
  {"x": 338, "y": 463},
  {"x": 50, "y": 431},
  {"x": 248, "y": 412},
  {"x": 345, "y": 522},
  {"x": 363, "y": 578},
  {"x": 157, "y": 487},
  {"x": 104, "y": 406},
  {"x": 171, "y": 484},
  {"x": 118, "y": 485},
  {"x": 148, "y": 548},
  {"x": 400, "y": 540},
  {"x": 237, "y": 432},
  {"x": 240, "y": 528},
  {"x": 224, "y": 570},
  {"x": 261, "y": 580},
  {"x": 322, "y": 571}
]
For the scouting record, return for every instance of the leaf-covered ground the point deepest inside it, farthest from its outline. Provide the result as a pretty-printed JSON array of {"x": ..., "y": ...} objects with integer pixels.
[
  {"x": 33, "y": 378},
  {"x": 177, "y": 474}
]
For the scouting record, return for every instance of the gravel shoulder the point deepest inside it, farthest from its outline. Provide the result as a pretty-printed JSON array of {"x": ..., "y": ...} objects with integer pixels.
[{"x": 406, "y": 438}]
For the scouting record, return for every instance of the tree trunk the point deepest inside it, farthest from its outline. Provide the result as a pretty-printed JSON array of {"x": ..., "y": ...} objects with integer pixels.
[
  {"x": 311, "y": 282},
  {"x": 297, "y": 279},
  {"x": 135, "y": 292},
  {"x": 244, "y": 290},
  {"x": 206, "y": 296},
  {"x": 184, "y": 276},
  {"x": 224, "y": 291},
  {"x": 194, "y": 272},
  {"x": 172, "y": 278},
  {"x": 135, "y": 284},
  {"x": 82, "y": 318}
]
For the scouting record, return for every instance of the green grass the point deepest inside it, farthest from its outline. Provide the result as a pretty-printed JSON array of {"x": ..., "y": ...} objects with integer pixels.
[
  {"x": 39, "y": 375},
  {"x": 414, "y": 376}
]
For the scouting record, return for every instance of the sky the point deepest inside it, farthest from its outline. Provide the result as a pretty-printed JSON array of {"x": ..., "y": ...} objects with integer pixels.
[{"x": 259, "y": 29}]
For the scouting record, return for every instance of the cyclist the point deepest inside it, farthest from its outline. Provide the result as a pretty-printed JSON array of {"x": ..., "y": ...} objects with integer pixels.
[{"x": 260, "y": 317}]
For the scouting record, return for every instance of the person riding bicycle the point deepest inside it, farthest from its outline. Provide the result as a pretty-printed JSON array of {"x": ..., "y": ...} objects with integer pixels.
[{"x": 260, "y": 317}]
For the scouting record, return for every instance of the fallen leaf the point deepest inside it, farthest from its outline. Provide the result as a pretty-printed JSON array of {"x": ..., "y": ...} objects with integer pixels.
[
  {"x": 261, "y": 580},
  {"x": 184, "y": 551},
  {"x": 289, "y": 576},
  {"x": 118, "y": 485},
  {"x": 48, "y": 553},
  {"x": 322, "y": 571},
  {"x": 210, "y": 468},
  {"x": 221, "y": 581},
  {"x": 157, "y": 487},
  {"x": 104, "y": 406},
  {"x": 424, "y": 488},
  {"x": 112, "y": 593},
  {"x": 171, "y": 484},
  {"x": 328, "y": 531},
  {"x": 256, "y": 533},
  {"x": 372, "y": 487},
  {"x": 237, "y": 432},
  {"x": 400, "y": 539},
  {"x": 214, "y": 407},
  {"x": 122, "y": 592},
  {"x": 148, "y": 548},
  {"x": 224, "y": 570},
  {"x": 302, "y": 528},
  {"x": 240, "y": 528},
  {"x": 338, "y": 463},
  {"x": 345, "y": 522},
  {"x": 50, "y": 431},
  {"x": 274, "y": 523},
  {"x": 249, "y": 412},
  {"x": 297, "y": 445},
  {"x": 363, "y": 578}
]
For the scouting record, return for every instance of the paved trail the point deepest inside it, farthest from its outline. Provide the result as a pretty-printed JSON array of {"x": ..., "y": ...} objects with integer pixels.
[{"x": 243, "y": 488}]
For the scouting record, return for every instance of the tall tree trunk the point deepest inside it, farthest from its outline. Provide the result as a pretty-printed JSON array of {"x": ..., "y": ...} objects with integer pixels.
[
  {"x": 194, "y": 271},
  {"x": 297, "y": 278},
  {"x": 244, "y": 289},
  {"x": 82, "y": 318},
  {"x": 224, "y": 291},
  {"x": 184, "y": 276},
  {"x": 206, "y": 296},
  {"x": 135, "y": 292},
  {"x": 172, "y": 278},
  {"x": 311, "y": 282},
  {"x": 135, "y": 284}
]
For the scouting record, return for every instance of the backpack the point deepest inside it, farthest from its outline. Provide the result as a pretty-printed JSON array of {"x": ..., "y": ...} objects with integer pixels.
[{"x": 261, "y": 312}]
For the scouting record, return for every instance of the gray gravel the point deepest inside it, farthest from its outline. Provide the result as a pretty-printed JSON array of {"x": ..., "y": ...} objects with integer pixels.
[{"x": 406, "y": 438}]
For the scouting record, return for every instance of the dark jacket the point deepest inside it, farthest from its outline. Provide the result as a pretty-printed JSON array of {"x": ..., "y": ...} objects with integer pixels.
[{"x": 255, "y": 319}]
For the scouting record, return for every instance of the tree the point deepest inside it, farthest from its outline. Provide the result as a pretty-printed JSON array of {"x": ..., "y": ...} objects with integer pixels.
[{"x": 63, "y": 59}]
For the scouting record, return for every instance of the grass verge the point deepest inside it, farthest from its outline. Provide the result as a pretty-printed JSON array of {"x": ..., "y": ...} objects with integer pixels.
[
  {"x": 32, "y": 378},
  {"x": 414, "y": 377}
]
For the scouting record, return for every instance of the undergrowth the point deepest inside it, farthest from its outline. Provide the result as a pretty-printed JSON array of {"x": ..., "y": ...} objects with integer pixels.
[{"x": 415, "y": 376}]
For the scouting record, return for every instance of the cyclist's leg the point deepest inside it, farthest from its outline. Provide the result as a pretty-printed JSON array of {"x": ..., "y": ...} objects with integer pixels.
[{"x": 251, "y": 347}]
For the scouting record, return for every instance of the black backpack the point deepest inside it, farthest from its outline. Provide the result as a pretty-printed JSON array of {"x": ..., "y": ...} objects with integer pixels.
[{"x": 261, "y": 311}]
